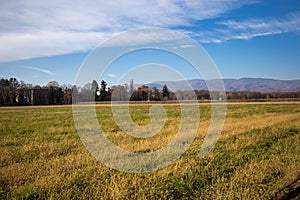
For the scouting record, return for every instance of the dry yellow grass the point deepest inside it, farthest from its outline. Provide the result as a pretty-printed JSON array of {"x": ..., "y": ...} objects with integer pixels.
[{"x": 43, "y": 158}]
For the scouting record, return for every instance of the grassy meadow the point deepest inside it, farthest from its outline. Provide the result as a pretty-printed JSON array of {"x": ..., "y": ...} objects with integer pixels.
[{"x": 42, "y": 156}]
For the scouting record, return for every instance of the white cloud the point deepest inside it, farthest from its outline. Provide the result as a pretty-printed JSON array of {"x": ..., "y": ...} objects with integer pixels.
[
  {"x": 31, "y": 29},
  {"x": 186, "y": 46},
  {"x": 112, "y": 75},
  {"x": 37, "y": 44},
  {"x": 42, "y": 28},
  {"x": 247, "y": 29},
  {"x": 143, "y": 36},
  {"x": 117, "y": 14},
  {"x": 40, "y": 69}
]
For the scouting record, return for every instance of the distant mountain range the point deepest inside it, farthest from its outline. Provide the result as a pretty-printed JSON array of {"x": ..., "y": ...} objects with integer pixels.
[{"x": 243, "y": 84}]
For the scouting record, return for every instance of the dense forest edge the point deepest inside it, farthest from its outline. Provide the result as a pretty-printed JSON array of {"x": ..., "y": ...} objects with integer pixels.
[{"x": 19, "y": 93}]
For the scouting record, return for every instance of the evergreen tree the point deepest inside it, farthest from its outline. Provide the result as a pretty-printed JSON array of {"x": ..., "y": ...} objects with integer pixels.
[
  {"x": 103, "y": 92},
  {"x": 165, "y": 92}
]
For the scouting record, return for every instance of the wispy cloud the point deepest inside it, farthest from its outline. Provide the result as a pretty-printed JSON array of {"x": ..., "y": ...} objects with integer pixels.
[
  {"x": 45, "y": 43},
  {"x": 183, "y": 46},
  {"x": 186, "y": 46},
  {"x": 248, "y": 29},
  {"x": 43, "y": 28},
  {"x": 39, "y": 69},
  {"x": 46, "y": 28},
  {"x": 112, "y": 75}
]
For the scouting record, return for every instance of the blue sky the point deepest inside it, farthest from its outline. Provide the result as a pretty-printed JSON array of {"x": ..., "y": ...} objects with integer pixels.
[{"x": 43, "y": 41}]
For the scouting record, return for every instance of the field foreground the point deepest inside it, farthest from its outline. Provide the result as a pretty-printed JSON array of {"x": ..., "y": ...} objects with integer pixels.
[{"x": 42, "y": 156}]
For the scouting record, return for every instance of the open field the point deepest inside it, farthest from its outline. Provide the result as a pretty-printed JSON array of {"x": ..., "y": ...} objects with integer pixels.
[{"x": 42, "y": 156}]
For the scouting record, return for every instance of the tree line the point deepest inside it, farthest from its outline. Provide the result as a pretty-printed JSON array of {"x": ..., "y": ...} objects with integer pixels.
[{"x": 14, "y": 92}]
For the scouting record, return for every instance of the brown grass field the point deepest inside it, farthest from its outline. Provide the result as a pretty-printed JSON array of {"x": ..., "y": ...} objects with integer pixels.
[{"x": 42, "y": 157}]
